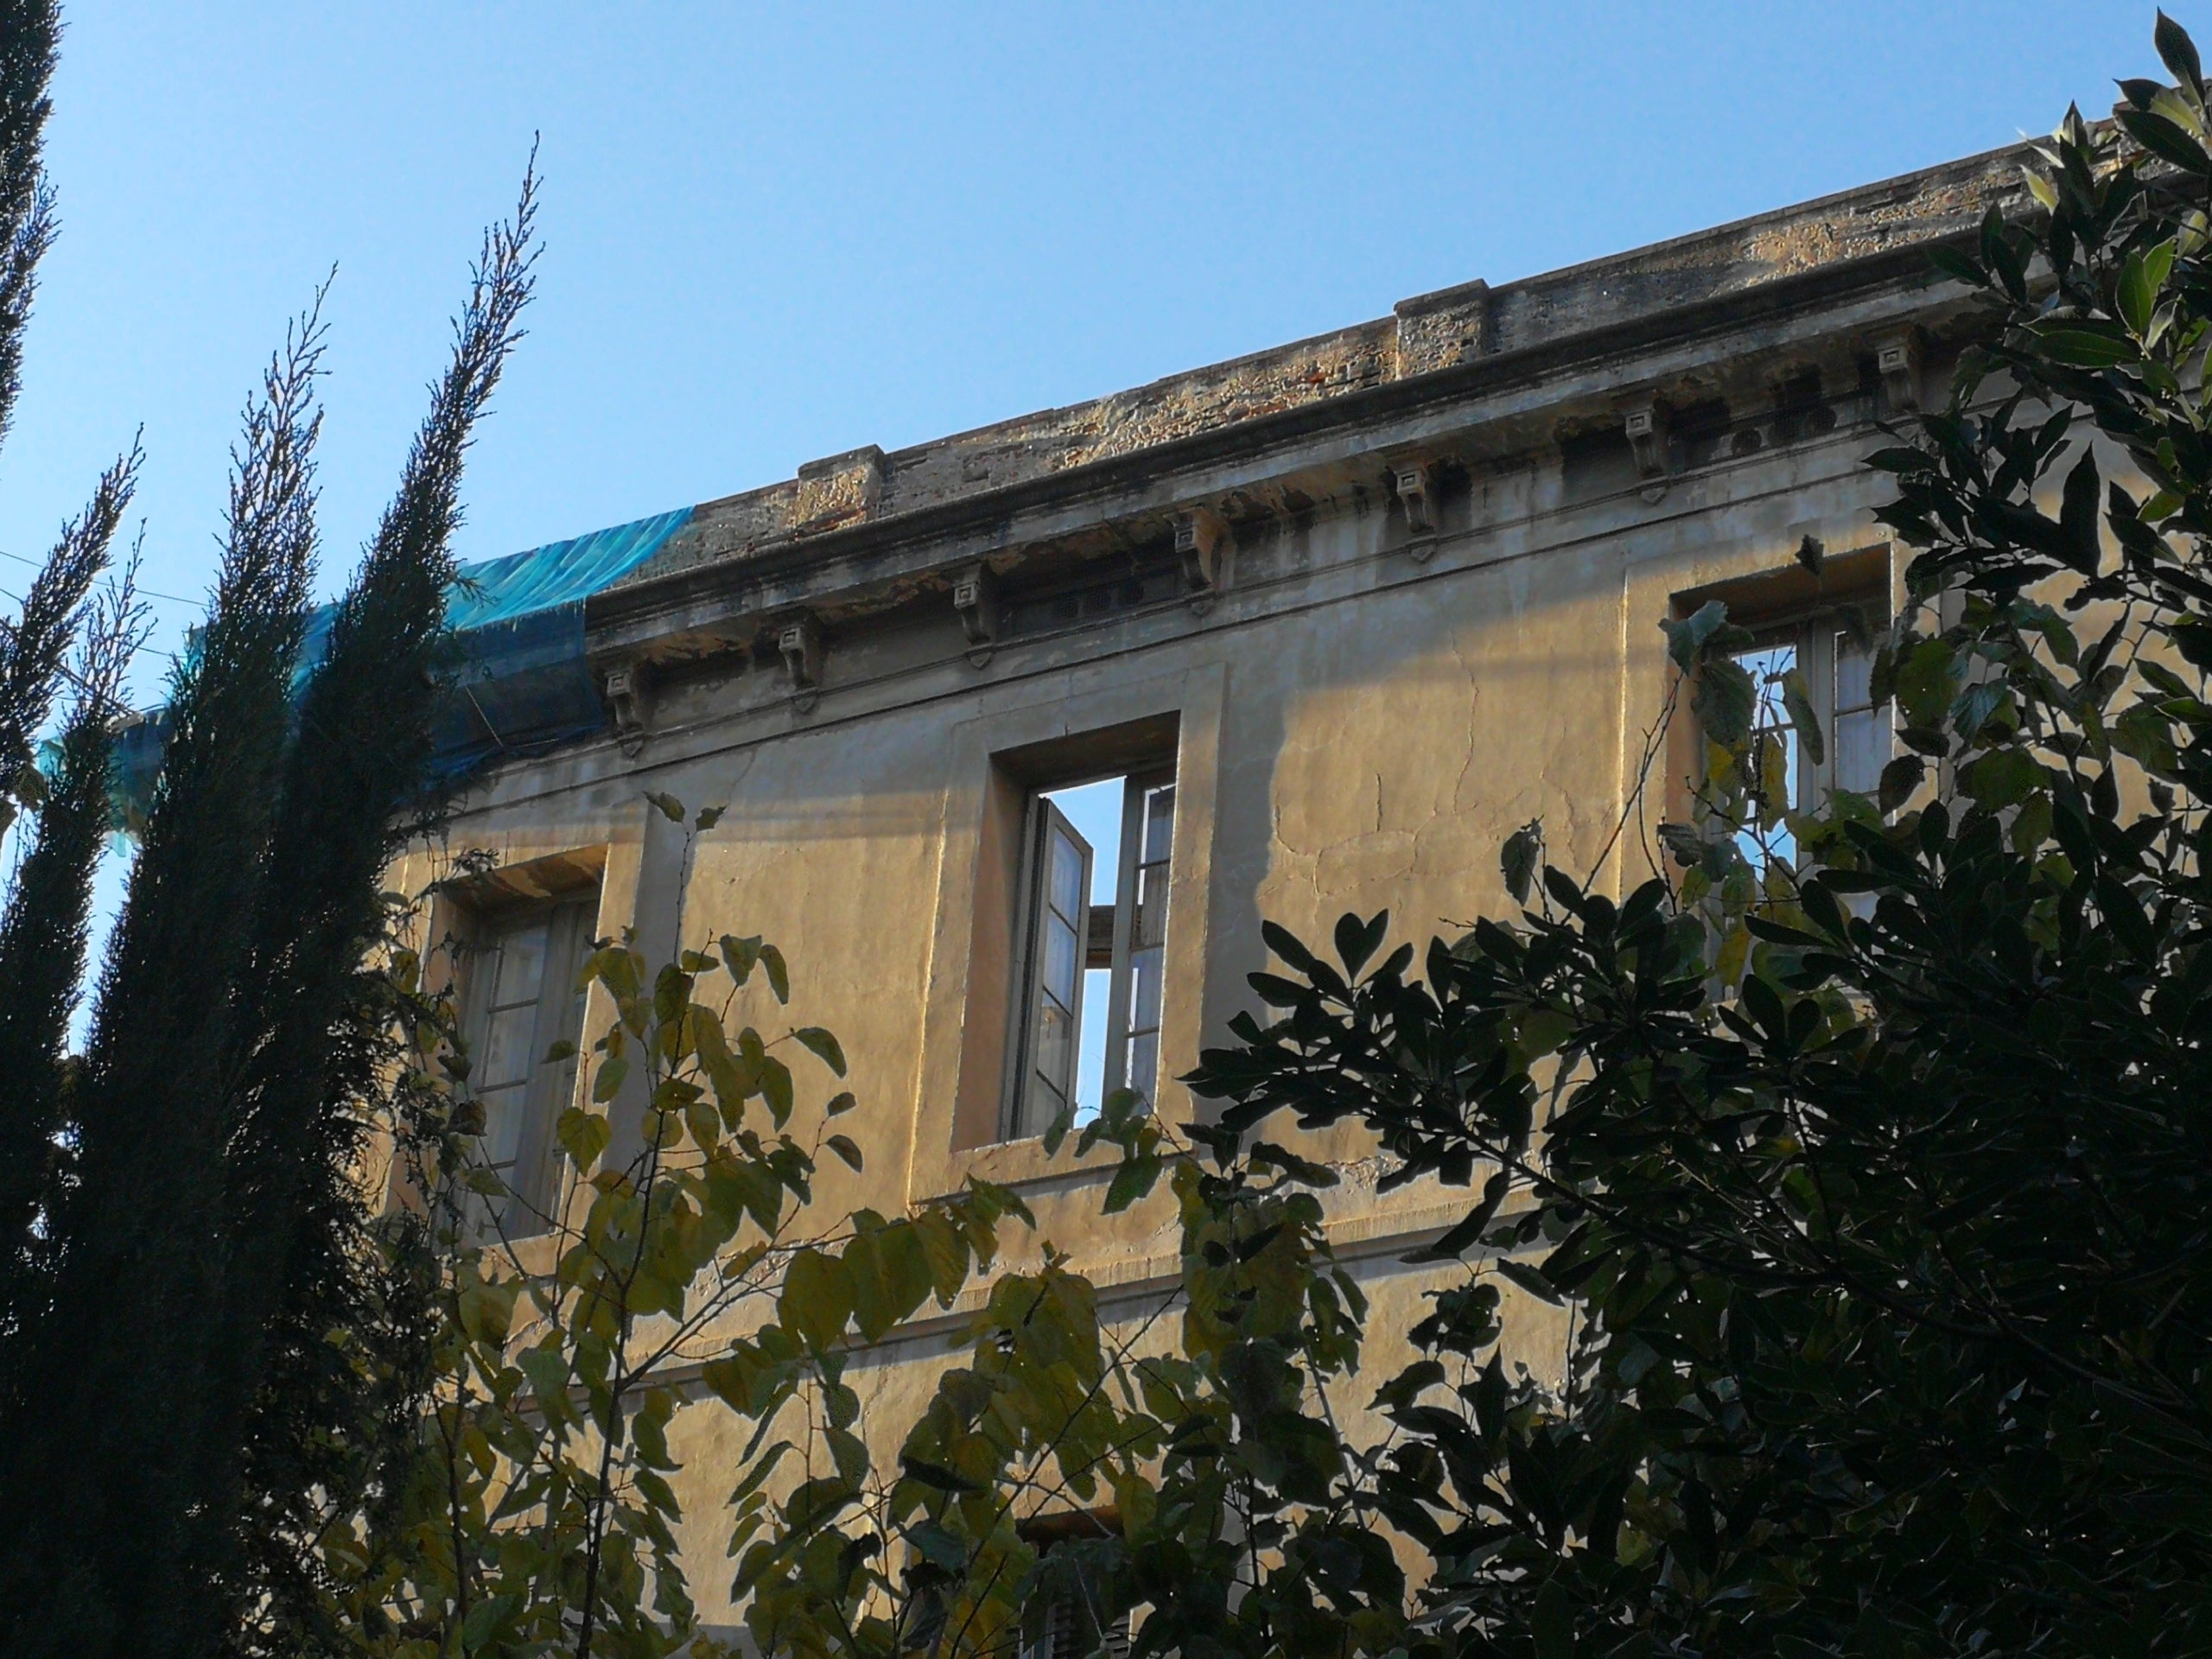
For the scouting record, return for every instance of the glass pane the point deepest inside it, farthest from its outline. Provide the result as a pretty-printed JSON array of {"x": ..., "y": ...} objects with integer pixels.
[
  {"x": 1090, "y": 1053},
  {"x": 521, "y": 966},
  {"x": 507, "y": 1048},
  {"x": 1065, "y": 894},
  {"x": 1144, "y": 1063},
  {"x": 1158, "y": 821},
  {"x": 1766, "y": 667},
  {"x": 1144, "y": 1004},
  {"x": 1862, "y": 749},
  {"x": 1060, "y": 961},
  {"x": 1772, "y": 729},
  {"x": 1151, "y": 927},
  {"x": 1055, "y": 1029},
  {"x": 1854, "y": 671},
  {"x": 502, "y": 1126}
]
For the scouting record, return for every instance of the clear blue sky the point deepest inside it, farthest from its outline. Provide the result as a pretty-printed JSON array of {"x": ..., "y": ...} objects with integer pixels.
[{"x": 777, "y": 233}]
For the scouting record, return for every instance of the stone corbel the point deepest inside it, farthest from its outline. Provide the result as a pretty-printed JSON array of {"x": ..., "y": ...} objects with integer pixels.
[
  {"x": 1896, "y": 357},
  {"x": 630, "y": 697},
  {"x": 799, "y": 644},
  {"x": 1199, "y": 536},
  {"x": 1645, "y": 426},
  {"x": 1413, "y": 482},
  {"x": 975, "y": 597}
]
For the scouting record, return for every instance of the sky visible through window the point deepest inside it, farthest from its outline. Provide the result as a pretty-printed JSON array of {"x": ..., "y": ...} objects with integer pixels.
[
  {"x": 1096, "y": 811},
  {"x": 1770, "y": 720}
]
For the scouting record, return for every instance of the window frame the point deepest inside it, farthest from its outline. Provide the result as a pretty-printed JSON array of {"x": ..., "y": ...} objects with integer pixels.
[
  {"x": 1786, "y": 602},
  {"x": 1019, "y": 1120},
  {"x": 1134, "y": 886},
  {"x": 1813, "y": 635},
  {"x": 570, "y": 921},
  {"x": 1019, "y": 736}
]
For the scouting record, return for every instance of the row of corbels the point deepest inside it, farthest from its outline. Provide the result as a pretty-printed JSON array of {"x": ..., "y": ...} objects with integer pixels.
[
  {"x": 1643, "y": 420},
  {"x": 629, "y": 686}
]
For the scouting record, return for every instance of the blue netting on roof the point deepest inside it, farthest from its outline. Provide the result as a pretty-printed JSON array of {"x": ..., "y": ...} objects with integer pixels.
[{"x": 521, "y": 684}]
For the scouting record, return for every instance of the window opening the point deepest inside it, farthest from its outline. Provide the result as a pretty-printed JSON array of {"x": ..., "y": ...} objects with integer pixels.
[
  {"x": 521, "y": 999},
  {"x": 1095, "y": 938},
  {"x": 1066, "y": 1616},
  {"x": 1837, "y": 663},
  {"x": 1771, "y": 729}
]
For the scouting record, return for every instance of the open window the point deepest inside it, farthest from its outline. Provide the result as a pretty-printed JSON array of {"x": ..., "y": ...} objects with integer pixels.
[
  {"x": 1069, "y": 1617},
  {"x": 1091, "y": 935},
  {"x": 518, "y": 957},
  {"x": 1833, "y": 652},
  {"x": 1818, "y": 630}
]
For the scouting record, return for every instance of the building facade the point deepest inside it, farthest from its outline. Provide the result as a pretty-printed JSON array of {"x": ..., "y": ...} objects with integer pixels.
[{"x": 1019, "y": 735}]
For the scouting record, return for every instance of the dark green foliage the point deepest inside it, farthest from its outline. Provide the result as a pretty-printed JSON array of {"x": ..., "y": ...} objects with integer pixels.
[
  {"x": 37, "y": 643},
  {"x": 42, "y": 936},
  {"x": 313, "y": 1045},
  {"x": 210, "y": 1341},
  {"x": 1890, "y": 1253},
  {"x": 118, "y": 1375},
  {"x": 30, "y": 31}
]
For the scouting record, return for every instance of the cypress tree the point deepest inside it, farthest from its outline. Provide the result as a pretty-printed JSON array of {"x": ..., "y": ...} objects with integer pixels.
[
  {"x": 42, "y": 931},
  {"x": 308, "y": 1054},
  {"x": 29, "y": 32},
  {"x": 101, "y": 1480}
]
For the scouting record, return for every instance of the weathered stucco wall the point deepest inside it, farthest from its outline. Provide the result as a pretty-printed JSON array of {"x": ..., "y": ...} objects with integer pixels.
[
  {"x": 1360, "y": 733},
  {"x": 1398, "y": 640}
]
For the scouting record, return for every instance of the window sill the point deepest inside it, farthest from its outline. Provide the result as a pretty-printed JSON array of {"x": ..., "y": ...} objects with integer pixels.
[{"x": 1025, "y": 1163}]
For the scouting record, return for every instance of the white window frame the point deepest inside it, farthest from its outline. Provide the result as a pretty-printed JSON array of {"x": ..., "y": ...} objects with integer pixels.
[
  {"x": 1128, "y": 938},
  {"x": 1814, "y": 636},
  {"x": 545, "y": 1086}
]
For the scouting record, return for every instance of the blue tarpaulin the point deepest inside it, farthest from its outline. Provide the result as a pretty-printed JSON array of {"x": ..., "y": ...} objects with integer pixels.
[{"x": 520, "y": 685}]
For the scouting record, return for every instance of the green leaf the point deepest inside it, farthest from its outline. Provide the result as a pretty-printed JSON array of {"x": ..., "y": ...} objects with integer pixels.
[
  {"x": 2144, "y": 734},
  {"x": 609, "y": 1080},
  {"x": 1797, "y": 703},
  {"x": 2078, "y": 514},
  {"x": 1724, "y": 703},
  {"x": 935, "y": 1474},
  {"x": 817, "y": 1299},
  {"x": 1926, "y": 682},
  {"x": 843, "y": 1146},
  {"x": 2178, "y": 52},
  {"x": 946, "y": 1250},
  {"x": 776, "y": 1088},
  {"x": 1523, "y": 848},
  {"x": 740, "y": 955},
  {"x": 2141, "y": 279},
  {"x": 822, "y": 1043},
  {"x": 779, "y": 978},
  {"x": 2001, "y": 778},
  {"x": 583, "y": 1135},
  {"x": 898, "y": 1278},
  {"x": 1056, "y": 1132},
  {"x": 1132, "y": 1181},
  {"x": 1686, "y": 637},
  {"x": 486, "y": 1619},
  {"x": 708, "y": 817},
  {"x": 671, "y": 808},
  {"x": 2086, "y": 345},
  {"x": 1356, "y": 940},
  {"x": 840, "y": 1104},
  {"x": 937, "y": 1547},
  {"x": 1900, "y": 778}
]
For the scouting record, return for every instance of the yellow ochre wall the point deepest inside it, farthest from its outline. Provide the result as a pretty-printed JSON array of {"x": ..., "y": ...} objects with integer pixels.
[{"x": 1357, "y": 730}]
